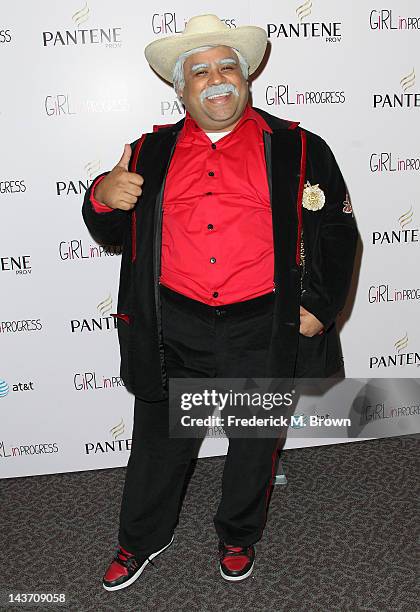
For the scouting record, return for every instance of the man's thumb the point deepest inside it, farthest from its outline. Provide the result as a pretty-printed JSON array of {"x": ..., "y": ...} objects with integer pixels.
[{"x": 125, "y": 159}]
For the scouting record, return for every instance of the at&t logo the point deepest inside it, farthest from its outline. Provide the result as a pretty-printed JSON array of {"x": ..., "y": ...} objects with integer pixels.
[
  {"x": 16, "y": 387},
  {"x": 4, "y": 388}
]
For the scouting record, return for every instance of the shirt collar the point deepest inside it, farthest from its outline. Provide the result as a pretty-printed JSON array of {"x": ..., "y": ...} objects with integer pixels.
[{"x": 190, "y": 126}]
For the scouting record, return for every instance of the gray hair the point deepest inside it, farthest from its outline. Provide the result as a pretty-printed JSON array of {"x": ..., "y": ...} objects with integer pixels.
[{"x": 178, "y": 73}]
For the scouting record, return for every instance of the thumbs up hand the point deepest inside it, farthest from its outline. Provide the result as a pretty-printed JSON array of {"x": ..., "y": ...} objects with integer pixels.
[{"x": 120, "y": 188}]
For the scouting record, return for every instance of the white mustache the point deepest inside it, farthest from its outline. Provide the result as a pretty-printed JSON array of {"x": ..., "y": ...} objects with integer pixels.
[{"x": 215, "y": 90}]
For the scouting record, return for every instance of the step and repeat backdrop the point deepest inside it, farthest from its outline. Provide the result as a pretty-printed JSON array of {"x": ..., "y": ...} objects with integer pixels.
[{"x": 75, "y": 87}]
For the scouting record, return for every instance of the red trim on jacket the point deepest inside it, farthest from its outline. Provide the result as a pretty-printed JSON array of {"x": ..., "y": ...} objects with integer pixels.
[
  {"x": 123, "y": 317},
  {"x": 97, "y": 206},
  {"x": 135, "y": 156},
  {"x": 300, "y": 193},
  {"x": 133, "y": 166},
  {"x": 133, "y": 236},
  {"x": 156, "y": 128}
]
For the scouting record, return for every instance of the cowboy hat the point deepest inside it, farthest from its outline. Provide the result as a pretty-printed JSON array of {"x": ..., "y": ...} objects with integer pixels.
[{"x": 203, "y": 30}]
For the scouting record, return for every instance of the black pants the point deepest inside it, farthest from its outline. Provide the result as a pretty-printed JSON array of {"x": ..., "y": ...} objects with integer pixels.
[{"x": 200, "y": 341}]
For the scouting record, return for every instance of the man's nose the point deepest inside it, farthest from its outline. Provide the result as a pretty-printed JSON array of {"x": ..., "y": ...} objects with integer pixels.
[{"x": 215, "y": 77}]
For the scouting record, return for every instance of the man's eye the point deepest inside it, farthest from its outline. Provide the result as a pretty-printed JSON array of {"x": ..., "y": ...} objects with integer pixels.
[
  {"x": 200, "y": 72},
  {"x": 227, "y": 68}
]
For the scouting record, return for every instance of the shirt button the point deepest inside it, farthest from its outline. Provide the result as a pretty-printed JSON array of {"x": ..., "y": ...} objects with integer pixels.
[
  {"x": 213, "y": 146},
  {"x": 210, "y": 226},
  {"x": 212, "y": 260},
  {"x": 215, "y": 294},
  {"x": 211, "y": 173}
]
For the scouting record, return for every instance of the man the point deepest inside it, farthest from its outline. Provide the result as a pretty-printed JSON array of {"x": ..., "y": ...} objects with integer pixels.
[{"x": 238, "y": 246}]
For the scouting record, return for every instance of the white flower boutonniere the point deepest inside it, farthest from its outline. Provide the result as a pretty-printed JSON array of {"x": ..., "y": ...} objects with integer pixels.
[{"x": 313, "y": 197}]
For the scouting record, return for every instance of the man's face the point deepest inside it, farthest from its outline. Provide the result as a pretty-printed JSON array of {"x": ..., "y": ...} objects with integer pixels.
[{"x": 216, "y": 72}]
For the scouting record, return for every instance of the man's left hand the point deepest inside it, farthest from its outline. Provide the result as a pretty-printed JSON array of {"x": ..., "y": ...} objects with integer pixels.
[{"x": 309, "y": 324}]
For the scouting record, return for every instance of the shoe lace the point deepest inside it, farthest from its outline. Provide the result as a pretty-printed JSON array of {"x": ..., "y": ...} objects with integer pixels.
[
  {"x": 128, "y": 560},
  {"x": 229, "y": 550}
]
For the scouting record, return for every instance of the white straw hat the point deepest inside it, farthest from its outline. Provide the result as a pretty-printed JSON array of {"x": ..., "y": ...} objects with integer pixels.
[{"x": 251, "y": 42}]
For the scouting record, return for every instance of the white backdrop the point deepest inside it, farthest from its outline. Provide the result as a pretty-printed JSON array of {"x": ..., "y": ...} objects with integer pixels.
[{"x": 75, "y": 87}]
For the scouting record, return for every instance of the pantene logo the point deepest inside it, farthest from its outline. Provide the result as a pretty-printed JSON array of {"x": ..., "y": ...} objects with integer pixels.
[
  {"x": 117, "y": 430},
  {"x": 304, "y": 10},
  {"x": 407, "y": 98},
  {"x": 66, "y": 187},
  {"x": 171, "y": 108},
  {"x": 19, "y": 264},
  {"x": 404, "y": 235},
  {"x": 105, "y": 322},
  {"x": 105, "y": 306},
  {"x": 329, "y": 31},
  {"x": 117, "y": 442},
  {"x": 399, "y": 358},
  {"x": 402, "y": 343},
  {"x": 109, "y": 36},
  {"x": 92, "y": 168},
  {"x": 81, "y": 16}
]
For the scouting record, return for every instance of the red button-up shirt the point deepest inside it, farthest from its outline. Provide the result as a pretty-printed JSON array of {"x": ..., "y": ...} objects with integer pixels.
[{"x": 217, "y": 237}]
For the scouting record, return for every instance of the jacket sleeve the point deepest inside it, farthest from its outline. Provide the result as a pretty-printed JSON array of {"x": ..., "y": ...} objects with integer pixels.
[
  {"x": 331, "y": 268},
  {"x": 106, "y": 228}
]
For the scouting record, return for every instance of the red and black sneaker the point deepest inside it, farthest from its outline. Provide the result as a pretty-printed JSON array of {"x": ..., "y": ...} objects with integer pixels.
[
  {"x": 125, "y": 568},
  {"x": 236, "y": 562}
]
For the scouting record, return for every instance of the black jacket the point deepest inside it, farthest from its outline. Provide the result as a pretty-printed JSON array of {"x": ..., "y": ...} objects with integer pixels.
[{"x": 293, "y": 156}]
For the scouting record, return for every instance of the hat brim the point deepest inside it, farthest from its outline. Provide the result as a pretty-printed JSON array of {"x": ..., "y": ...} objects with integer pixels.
[{"x": 162, "y": 54}]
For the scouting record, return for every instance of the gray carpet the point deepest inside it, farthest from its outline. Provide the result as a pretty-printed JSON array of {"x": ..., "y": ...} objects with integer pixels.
[{"x": 339, "y": 537}]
